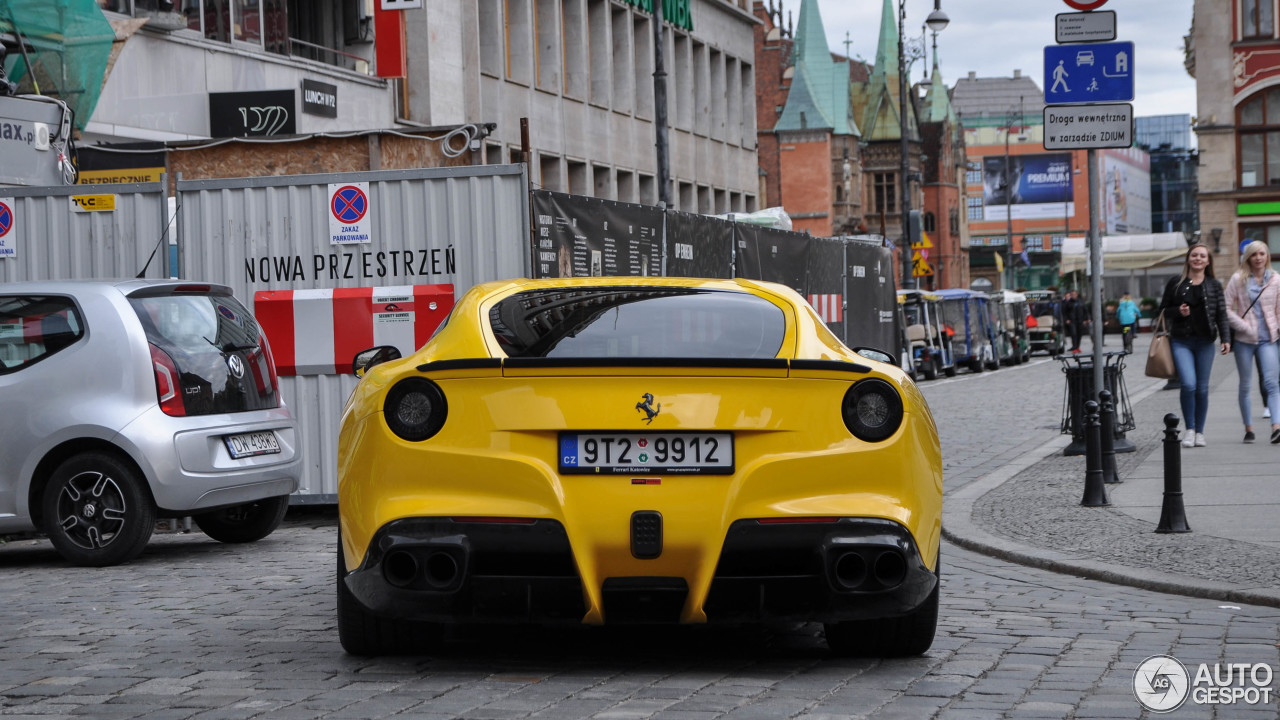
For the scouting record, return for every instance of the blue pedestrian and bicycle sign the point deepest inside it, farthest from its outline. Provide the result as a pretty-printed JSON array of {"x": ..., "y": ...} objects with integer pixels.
[{"x": 1088, "y": 73}]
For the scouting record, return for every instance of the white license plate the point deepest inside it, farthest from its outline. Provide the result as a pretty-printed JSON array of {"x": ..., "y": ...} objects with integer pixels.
[
  {"x": 250, "y": 444},
  {"x": 646, "y": 453}
]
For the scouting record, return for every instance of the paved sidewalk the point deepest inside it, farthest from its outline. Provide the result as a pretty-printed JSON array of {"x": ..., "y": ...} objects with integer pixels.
[{"x": 1029, "y": 511}]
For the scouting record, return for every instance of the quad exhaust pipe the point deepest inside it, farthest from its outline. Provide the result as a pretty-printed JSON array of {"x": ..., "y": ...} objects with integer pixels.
[
  {"x": 424, "y": 568},
  {"x": 866, "y": 568}
]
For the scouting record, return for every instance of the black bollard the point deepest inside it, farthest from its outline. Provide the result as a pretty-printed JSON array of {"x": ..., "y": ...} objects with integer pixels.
[
  {"x": 1173, "y": 515},
  {"x": 1095, "y": 491},
  {"x": 1107, "y": 435}
]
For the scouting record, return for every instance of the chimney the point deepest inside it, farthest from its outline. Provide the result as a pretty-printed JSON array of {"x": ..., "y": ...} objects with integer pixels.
[
  {"x": 1017, "y": 74},
  {"x": 973, "y": 75}
]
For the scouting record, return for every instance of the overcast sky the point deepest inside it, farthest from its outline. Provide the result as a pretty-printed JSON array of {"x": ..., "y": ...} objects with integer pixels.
[{"x": 994, "y": 37}]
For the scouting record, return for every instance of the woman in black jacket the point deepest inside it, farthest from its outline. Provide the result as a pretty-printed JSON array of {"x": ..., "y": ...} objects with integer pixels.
[{"x": 1195, "y": 312}]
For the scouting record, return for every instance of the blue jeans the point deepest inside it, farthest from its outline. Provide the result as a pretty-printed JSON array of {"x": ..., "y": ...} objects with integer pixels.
[
  {"x": 1193, "y": 358},
  {"x": 1269, "y": 356}
]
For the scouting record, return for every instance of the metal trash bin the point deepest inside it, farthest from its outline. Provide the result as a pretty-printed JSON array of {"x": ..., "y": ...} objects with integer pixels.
[{"x": 1079, "y": 390}]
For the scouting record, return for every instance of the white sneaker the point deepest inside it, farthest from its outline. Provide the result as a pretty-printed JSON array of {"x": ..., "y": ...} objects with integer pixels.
[
  {"x": 1200, "y": 440},
  {"x": 1188, "y": 439},
  {"x": 1266, "y": 412}
]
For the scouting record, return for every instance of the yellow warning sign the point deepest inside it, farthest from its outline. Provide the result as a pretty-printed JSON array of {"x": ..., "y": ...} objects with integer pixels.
[
  {"x": 93, "y": 203},
  {"x": 132, "y": 175},
  {"x": 920, "y": 265},
  {"x": 923, "y": 243}
]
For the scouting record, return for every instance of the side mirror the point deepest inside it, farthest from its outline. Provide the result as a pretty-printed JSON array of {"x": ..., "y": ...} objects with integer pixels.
[
  {"x": 366, "y": 359},
  {"x": 877, "y": 355}
]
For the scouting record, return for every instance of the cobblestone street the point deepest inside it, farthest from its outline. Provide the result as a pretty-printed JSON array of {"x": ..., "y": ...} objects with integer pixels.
[{"x": 197, "y": 629}]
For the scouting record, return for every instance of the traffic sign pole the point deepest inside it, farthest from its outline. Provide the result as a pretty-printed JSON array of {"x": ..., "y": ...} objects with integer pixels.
[{"x": 1095, "y": 272}]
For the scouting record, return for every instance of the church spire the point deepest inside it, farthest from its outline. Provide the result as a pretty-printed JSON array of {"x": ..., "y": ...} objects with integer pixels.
[
  {"x": 887, "y": 49},
  {"x": 811, "y": 38}
]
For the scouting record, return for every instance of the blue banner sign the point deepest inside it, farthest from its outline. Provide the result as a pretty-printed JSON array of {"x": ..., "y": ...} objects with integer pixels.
[{"x": 1088, "y": 73}]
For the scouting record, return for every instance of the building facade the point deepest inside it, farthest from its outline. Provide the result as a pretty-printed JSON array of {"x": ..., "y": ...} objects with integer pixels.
[
  {"x": 1167, "y": 139},
  {"x": 812, "y": 145},
  {"x": 443, "y": 83},
  {"x": 1234, "y": 56}
]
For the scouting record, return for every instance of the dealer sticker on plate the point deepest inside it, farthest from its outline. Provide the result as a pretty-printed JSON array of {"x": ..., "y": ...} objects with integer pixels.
[
  {"x": 660, "y": 453},
  {"x": 249, "y": 444}
]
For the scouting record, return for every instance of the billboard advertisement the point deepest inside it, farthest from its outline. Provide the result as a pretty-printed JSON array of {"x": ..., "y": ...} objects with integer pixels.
[
  {"x": 1125, "y": 187},
  {"x": 1041, "y": 187}
]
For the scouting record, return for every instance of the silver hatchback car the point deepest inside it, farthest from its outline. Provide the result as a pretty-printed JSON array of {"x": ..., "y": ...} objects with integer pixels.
[{"x": 127, "y": 401}]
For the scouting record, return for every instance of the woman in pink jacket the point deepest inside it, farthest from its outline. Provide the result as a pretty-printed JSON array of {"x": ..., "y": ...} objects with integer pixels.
[{"x": 1253, "y": 309}]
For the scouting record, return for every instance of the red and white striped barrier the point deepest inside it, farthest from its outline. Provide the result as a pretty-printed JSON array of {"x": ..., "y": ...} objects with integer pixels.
[
  {"x": 830, "y": 307},
  {"x": 318, "y": 332}
]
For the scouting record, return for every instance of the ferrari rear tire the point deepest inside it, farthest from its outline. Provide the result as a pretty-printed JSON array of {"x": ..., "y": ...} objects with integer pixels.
[
  {"x": 245, "y": 523},
  {"x": 904, "y": 636},
  {"x": 363, "y": 633},
  {"x": 98, "y": 510}
]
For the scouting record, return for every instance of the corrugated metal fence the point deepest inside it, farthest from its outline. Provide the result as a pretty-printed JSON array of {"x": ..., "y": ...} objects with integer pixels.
[
  {"x": 79, "y": 231},
  {"x": 436, "y": 226},
  {"x": 460, "y": 226}
]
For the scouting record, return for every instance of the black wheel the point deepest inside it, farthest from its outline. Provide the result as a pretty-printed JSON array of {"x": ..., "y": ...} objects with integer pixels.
[
  {"x": 949, "y": 371},
  {"x": 976, "y": 365},
  {"x": 931, "y": 368},
  {"x": 245, "y": 523},
  {"x": 889, "y": 637},
  {"x": 98, "y": 510},
  {"x": 363, "y": 633}
]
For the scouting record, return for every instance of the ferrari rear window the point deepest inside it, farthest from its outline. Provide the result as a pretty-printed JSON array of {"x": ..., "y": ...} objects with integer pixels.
[{"x": 638, "y": 322}]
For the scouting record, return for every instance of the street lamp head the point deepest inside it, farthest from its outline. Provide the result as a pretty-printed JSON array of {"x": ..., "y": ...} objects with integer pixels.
[{"x": 937, "y": 20}]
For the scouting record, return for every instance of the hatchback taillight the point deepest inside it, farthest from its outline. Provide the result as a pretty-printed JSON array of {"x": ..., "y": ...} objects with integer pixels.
[
  {"x": 271, "y": 362},
  {"x": 168, "y": 387}
]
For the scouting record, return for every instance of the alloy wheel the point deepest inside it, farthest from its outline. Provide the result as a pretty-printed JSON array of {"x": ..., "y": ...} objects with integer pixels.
[{"x": 91, "y": 509}]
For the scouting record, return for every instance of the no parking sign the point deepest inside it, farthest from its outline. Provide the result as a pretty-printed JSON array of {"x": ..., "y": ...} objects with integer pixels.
[
  {"x": 349, "y": 213},
  {"x": 8, "y": 248}
]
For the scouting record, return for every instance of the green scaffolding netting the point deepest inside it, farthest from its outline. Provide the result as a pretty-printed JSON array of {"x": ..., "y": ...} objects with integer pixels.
[{"x": 68, "y": 43}]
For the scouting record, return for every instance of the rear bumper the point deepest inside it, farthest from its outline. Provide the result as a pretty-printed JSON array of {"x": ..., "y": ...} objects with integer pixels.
[{"x": 442, "y": 570}]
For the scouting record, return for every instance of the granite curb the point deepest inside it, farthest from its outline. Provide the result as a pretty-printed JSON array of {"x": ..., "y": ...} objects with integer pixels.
[{"x": 970, "y": 525}]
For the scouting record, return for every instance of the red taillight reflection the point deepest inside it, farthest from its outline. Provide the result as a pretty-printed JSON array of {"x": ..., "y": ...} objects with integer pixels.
[
  {"x": 793, "y": 520},
  {"x": 168, "y": 387},
  {"x": 271, "y": 363}
]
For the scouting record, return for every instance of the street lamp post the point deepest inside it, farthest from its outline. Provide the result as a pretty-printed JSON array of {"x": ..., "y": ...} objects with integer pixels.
[
  {"x": 1008, "y": 203},
  {"x": 936, "y": 21}
]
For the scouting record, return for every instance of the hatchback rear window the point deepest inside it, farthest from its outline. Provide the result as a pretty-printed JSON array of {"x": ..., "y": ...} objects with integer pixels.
[
  {"x": 638, "y": 322},
  {"x": 213, "y": 342}
]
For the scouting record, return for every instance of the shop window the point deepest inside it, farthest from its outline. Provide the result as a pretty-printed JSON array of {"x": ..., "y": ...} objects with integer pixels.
[{"x": 1268, "y": 233}]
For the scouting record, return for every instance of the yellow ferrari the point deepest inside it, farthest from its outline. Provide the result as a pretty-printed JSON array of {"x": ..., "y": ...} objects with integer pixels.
[{"x": 636, "y": 450}]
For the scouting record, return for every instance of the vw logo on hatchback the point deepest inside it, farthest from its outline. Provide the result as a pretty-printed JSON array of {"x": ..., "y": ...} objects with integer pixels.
[{"x": 236, "y": 366}]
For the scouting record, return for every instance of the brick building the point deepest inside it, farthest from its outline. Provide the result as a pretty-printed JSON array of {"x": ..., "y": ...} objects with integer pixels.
[
  {"x": 1233, "y": 52},
  {"x": 807, "y": 138},
  {"x": 829, "y": 139}
]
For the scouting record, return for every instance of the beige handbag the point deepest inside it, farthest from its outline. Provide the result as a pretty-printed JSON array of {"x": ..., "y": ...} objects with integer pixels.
[{"x": 1160, "y": 355}]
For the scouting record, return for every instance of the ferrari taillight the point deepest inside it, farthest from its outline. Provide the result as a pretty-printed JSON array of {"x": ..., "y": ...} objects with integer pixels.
[{"x": 168, "y": 389}]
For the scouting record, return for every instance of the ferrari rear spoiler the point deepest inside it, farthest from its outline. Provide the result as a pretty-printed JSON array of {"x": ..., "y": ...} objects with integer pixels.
[{"x": 768, "y": 365}]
